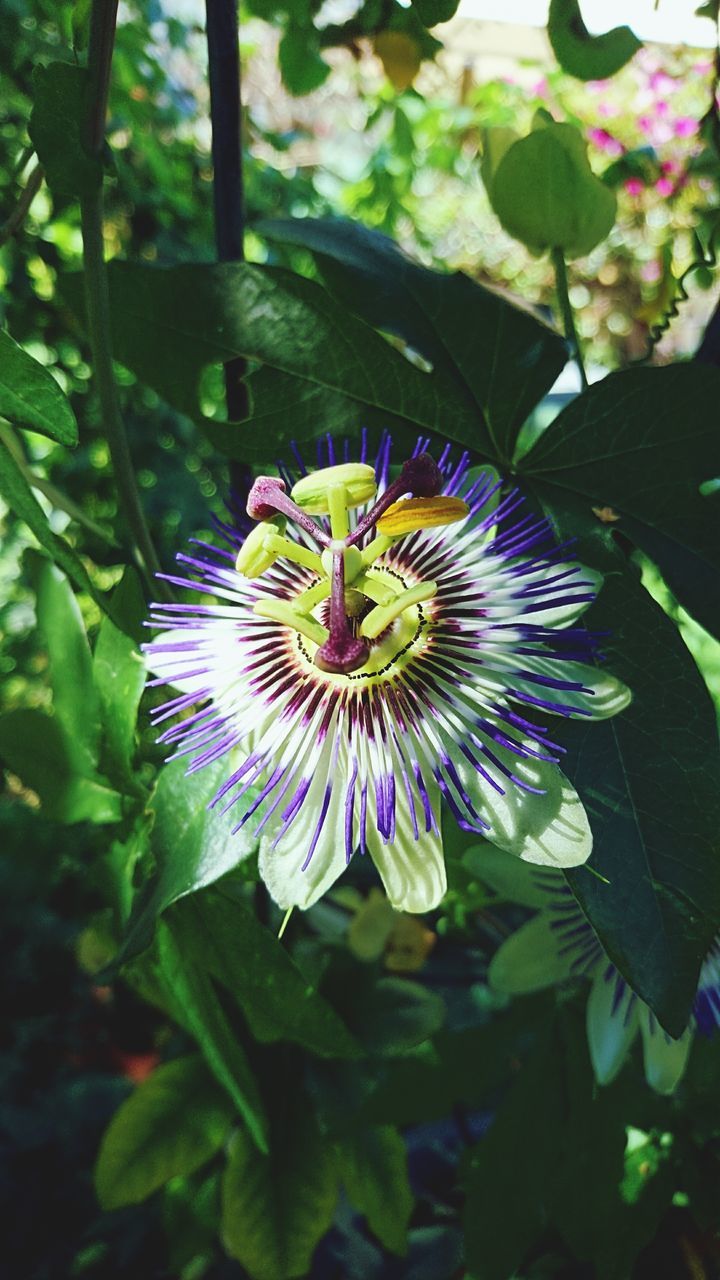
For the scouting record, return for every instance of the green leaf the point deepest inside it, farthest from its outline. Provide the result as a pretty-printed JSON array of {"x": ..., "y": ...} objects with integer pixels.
[
  {"x": 55, "y": 129},
  {"x": 373, "y": 1168},
  {"x": 191, "y": 995},
  {"x": 649, "y": 780},
  {"x": 301, "y": 66},
  {"x": 119, "y": 675},
  {"x": 275, "y": 1209},
  {"x": 192, "y": 845},
  {"x": 501, "y": 359},
  {"x": 30, "y": 396},
  {"x": 513, "y": 1170},
  {"x": 431, "y": 12},
  {"x": 642, "y": 442},
  {"x": 582, "y": 55},
  {"x": 223, "y": 936},
  {"x": 546, "y": 195},
  {"x": 388, "y": 1015},
  {"x": 171, "y": 1125},
  {"x": 34, "y": 747},
  {"x": 16, "y": 492},
  {"x": 75, "y": 701}
]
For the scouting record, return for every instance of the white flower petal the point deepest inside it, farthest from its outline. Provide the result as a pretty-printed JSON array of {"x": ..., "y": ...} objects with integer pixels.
[
  {"x": 412, "y": 870},
  {"x": 612, "y": 1023},
  {"x": 665, "y": 1059},
  {"x": 607, "y": 695},
  {"x": 549, "y": 829},
  {"x": 530, "y": 959},
  {"x": 281, "y": 864}
]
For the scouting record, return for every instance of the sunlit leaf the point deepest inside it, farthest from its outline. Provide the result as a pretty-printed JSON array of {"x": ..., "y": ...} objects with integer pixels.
[
  {"x": 119, "y": 674},
  {"x": 30, "y": 396},
  {"x": 75, "y": 700},
  {"x": 33, "y": 746}
]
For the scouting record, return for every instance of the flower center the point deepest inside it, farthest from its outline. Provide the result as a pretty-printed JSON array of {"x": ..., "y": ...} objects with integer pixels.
[{"x": 370, "y": 615}]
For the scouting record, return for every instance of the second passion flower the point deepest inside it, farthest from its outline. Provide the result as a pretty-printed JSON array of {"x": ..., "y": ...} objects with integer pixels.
[{"x": 377, "y": 646}]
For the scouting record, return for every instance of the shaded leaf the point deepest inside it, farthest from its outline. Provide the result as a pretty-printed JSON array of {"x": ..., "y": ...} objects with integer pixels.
[
  {"x": 387, "y": 1015},
  {"x": 30, "y": 396},
  {"x": 190, "y": 994},
  {"x": 55, "y": 129},
  {"x": 119, "y": 674},
  {"x": 275, "y": 1209},
  {"x": 430, "y": 12},
  {"x": 301, "y": 66},
  {"x": 171, "y": 1125},
  {"x": 223, "y": 936},
  {"x": 169, "y": 323},
  {"x": 373, "y": 1168},
  {"x": 642, "y": 442},
  {"x": 502, "y": 359},
  {"x": 75, "y": 701},
  {"x": 18, "y": 495},
  {"x": 192, "y": 845},
  {"x": 581, "y": 54},
  {"x": 649, "y": 780}
]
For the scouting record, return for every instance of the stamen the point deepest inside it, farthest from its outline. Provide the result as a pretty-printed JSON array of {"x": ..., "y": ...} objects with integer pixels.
[
  {"x": 279, "y": 611},
  {"x": 376, "y": 548},
  {"x": 420, "y": 477},
  {"x": 338, "y": 504},
  {"x": 294, "y": 551},
  {"x": 409, "y": 515},
  {"x": 379, "y": 618}
]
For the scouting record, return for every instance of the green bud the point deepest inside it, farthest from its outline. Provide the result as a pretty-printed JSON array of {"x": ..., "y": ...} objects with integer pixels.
[
  {"x": 256, "y": 553},
  {"x": 546, "y": 195},
  {"x": 356, "y": 478}
]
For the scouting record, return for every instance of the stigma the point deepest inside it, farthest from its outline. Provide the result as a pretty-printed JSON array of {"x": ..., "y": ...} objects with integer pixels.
[{"x": 354, "y": 602}]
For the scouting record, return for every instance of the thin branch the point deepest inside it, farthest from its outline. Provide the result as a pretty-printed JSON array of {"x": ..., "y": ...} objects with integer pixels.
[
  {"x": 13, "y": 224},
  {"x": 97, "y": 294},
  {"x": 563, "y": 296}
]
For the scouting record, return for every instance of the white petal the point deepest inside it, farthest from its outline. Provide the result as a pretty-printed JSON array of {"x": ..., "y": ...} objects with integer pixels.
[
  {"x": 530, "y": 959},
  {"x": 281, "y": 865},
  {"x": 550, "y": 829},
  {"x": 412, "y": 870},
  {"x": 606, "y": 698},
  {"x": 510, "y": 877},
  {"x": 665, "y": 1059},
  {"x": 610, "y": 1033}
]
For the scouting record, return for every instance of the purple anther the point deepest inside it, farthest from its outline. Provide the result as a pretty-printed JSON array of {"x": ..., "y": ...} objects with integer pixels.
[
  {"x": 268, "y": 497},
  {"x": 419, "y": 477},
  {"x": 342, "y": 652}
]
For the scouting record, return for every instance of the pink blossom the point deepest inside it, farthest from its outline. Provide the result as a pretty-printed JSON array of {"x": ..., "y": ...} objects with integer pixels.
[
  {"x": 669, "y": 166},
  {"x": 540, "y": 90},
  {"x": 661, "y": 82},
  {"x": 634, "y": 186},
  {"x": 651, "y": 271},
  {"x": 664, "y": 186},
  {"x": 685, "y": 127},
  {"x": 607, "y": 110},
  {"x": 606, "y": 142}
]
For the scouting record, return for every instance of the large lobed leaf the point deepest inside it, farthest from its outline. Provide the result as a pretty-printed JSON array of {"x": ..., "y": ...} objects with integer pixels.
[
  {"x": 500, "y": 356},
  {"x": 649, "y": 778},
  {"x": 642, "y": 442}
]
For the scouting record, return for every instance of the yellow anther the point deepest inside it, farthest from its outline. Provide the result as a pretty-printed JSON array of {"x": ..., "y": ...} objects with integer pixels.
[
  {"x": 294, "y": 551},
  {"x": 376, "y": 548},
  {"x": 353, "y": 563},
  {"x": 312, "y": 492},
  {"x": 410, "y": 514},
  {"x": 279, "y": 611},
  {"x": 382, "y": 615},
  {"x": 257, "y": 552}
]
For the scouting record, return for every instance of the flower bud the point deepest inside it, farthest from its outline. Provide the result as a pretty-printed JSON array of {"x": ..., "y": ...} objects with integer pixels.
[{"x": 356, "y": 478}]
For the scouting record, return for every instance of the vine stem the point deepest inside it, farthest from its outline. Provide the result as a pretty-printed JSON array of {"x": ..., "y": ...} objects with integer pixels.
[
  {"x": 563, "y": 297},
  {"x": 28, "y": 194},
  {"x": 97, "y": 294}
]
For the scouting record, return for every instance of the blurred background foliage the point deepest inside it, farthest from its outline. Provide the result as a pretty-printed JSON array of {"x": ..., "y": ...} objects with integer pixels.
[{"x": 371, "y": 116}]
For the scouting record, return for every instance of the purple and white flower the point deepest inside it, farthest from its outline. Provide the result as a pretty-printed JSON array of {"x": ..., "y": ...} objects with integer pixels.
[
  {"x": 559, "y": 944},
  {"x": 374, "y": 646}
]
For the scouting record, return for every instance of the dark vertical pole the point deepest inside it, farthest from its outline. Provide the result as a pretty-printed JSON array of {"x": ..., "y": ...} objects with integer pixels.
[{"x": 225, "y": 117}]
